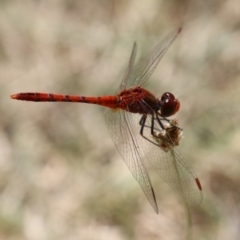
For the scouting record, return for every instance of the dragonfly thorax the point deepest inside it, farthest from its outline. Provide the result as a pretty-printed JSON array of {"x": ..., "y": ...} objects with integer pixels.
[{"x": 138, "y": 100}]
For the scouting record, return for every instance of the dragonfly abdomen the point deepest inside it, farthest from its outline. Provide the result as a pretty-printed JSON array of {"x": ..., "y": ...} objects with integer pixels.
[{"x": 107, "y": 101}]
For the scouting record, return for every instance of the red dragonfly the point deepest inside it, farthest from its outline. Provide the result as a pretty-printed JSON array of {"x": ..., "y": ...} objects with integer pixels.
[{"x": 135, "y": 110}]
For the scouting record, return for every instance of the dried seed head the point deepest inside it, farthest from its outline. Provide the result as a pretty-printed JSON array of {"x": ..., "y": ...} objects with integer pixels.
[{"x": 169, "y": 137}]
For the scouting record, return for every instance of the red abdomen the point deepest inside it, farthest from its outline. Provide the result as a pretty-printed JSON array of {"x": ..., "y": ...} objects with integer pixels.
[
  {"x": 107, "y": 101},
  {"x": 135, "y": 100}
]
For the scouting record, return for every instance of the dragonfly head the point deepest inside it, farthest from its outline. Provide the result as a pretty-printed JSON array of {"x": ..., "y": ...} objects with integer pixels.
[{"x": 169, "y": 105}]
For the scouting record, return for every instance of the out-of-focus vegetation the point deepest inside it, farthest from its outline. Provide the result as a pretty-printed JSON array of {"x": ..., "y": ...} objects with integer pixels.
[{"x": 60, "y": 174}]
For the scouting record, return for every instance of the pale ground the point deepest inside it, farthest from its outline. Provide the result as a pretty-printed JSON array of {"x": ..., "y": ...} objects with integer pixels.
[{"x": 61, "y": 176}]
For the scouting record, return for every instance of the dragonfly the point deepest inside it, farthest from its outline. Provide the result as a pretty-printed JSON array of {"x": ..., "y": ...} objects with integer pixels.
[{"x": 137, "y": 120}]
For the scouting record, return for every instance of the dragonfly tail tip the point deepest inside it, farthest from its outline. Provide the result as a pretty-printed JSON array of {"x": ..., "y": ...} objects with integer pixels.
[{"x": 14, "y": 96}]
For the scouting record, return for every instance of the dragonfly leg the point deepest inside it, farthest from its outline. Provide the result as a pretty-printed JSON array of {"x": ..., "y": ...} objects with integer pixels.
[
  {"x": 160, "y": 119},
  {"x": 142, "y": 124}
]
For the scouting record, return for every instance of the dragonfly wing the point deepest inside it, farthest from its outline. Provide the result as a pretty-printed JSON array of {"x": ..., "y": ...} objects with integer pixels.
[
  {"x": 146, "y": 65},
  {"x": 129, "y": 67},
  {"x": 124, "y": 134},
  {"x": 174, "y": 170}
]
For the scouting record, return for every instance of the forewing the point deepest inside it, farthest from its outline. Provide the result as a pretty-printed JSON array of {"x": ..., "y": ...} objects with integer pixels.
[
  {"x": 129, "y": 67},
  {"x": 123, "y": 133},
  {"x": 146, "y": 65},
  {"x": 174, "y": 170}
]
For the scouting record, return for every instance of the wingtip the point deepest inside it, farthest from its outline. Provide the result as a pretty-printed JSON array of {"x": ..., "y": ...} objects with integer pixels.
[
  {"x": 198, "y": 184},
  {"x": 155, "y": 206}
]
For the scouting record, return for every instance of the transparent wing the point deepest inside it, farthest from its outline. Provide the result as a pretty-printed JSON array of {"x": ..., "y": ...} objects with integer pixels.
[
  {"x": 173, "y": 169},
  {"x": 123, "y": 133},
  {"x": 146, "y": 65},
  {"x": 129, "y": 67}
]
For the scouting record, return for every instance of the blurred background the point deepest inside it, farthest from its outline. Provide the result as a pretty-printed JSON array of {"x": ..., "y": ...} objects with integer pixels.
[{"x": 61, "y": 176}]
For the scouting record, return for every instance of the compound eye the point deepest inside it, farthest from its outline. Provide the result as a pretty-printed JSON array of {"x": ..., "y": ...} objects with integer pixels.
[{"x": 169, "y": 105}]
